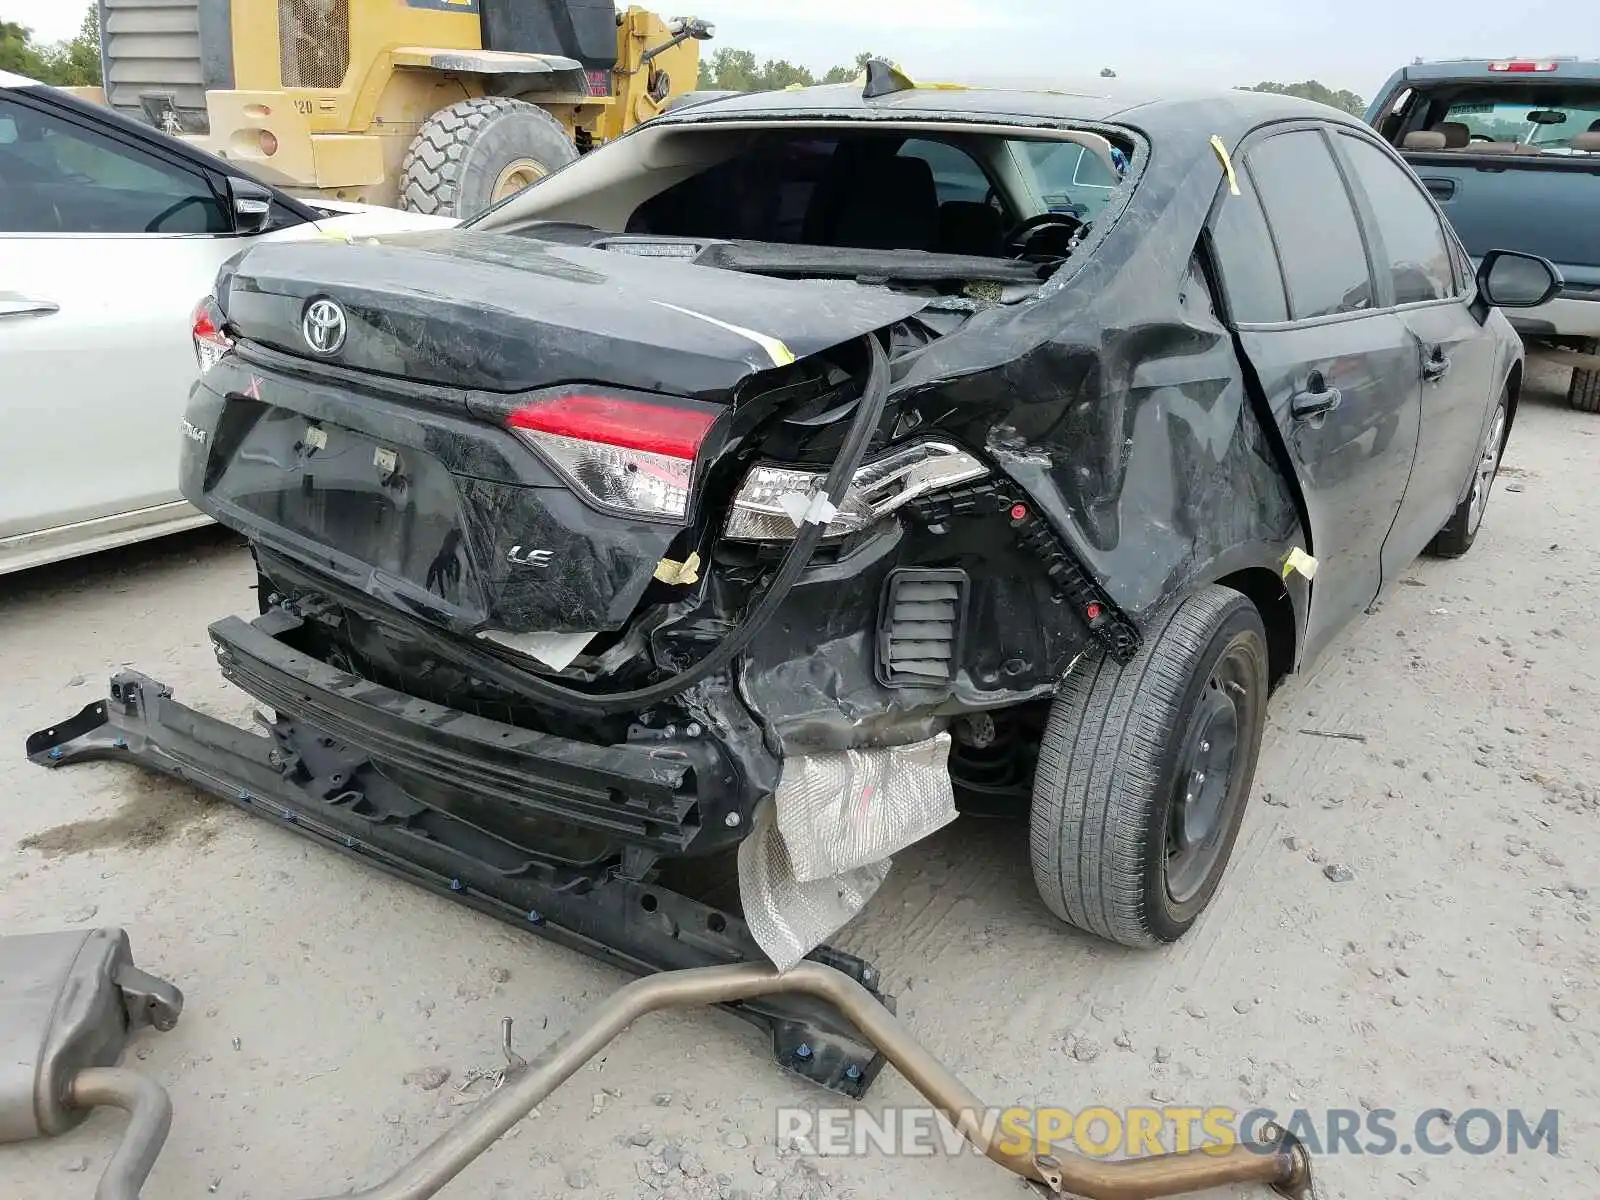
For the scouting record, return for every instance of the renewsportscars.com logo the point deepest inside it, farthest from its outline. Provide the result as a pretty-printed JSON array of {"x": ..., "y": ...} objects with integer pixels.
[{"x": 1101, "y": 1132}]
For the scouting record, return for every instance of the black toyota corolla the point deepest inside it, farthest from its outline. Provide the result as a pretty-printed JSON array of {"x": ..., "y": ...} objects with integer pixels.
[{"x": 804, "y": 468}]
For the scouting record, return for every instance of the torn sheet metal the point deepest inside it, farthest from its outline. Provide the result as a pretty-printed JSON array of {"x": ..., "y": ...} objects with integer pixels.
[
  {"x": 821, "y": 846},
  {"x": 789, "y": 919},
  {"x": 845, "y": 810}
]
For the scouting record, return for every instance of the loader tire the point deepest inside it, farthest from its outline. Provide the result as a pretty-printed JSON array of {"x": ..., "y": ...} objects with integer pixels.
[
  {"x": 1584, "y": 393},
  {"x": 477, "y": 152},
  {"x": 1145, "y": 770}
]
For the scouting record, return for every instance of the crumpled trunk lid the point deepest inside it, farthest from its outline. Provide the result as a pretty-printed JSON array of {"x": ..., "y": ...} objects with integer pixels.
[{"x": 507, "y": 314}]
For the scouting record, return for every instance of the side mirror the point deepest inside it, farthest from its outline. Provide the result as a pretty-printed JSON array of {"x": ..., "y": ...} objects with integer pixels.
[
  {"x": 1509, "y": 279},
  {"x": 251, "y": 204}
]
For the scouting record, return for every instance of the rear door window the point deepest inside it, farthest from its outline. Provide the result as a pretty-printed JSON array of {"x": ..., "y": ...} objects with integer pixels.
[
  {"x": 1313, "y": 224},
  {"x": 1251, "y": 279},
  {"x": 1414, "y": 246}
]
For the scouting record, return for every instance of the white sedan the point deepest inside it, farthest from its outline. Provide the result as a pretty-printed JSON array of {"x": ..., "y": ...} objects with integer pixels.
[{"x": 110, "y": 233}]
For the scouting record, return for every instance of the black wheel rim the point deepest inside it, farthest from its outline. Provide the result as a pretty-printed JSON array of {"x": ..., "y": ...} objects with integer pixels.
[{"x": 1204, "y": 797}]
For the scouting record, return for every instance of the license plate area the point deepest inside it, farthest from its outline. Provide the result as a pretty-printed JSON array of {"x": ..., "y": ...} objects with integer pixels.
[
  {"x": 441, "y": 516},
  {"x": 394, "y": 508}
]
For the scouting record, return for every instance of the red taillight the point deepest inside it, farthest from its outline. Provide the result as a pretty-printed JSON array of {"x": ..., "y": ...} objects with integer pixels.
[
  {"x": 634, "y": 455},
  {"x": 1523, "y": 67},
  {"x": 632, "y": 424},
  {"x": 210, "y": 343}
]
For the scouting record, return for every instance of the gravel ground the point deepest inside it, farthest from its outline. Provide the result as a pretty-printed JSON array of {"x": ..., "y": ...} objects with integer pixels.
[{"x": 1407, "y": 923}]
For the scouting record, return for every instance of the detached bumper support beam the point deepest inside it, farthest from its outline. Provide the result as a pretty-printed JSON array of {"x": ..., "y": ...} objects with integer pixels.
[{"x": 640, "y": 927}]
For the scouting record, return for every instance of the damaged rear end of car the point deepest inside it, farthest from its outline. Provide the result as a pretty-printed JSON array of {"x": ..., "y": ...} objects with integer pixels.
[
  {"x": 711, "y": 563},
  {"x": 651, "y": 583}
]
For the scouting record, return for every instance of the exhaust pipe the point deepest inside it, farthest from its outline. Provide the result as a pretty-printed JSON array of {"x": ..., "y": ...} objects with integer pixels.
[{"x": 1280, "y": 1161}]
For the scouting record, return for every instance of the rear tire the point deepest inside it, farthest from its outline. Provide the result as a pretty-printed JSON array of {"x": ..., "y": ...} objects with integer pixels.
[
  {"x": 476, "y": 152},
  {"x": 1584, "y": 392},
  {"x": 1461, "y": 530},
  {"x": 1145, "y": 771}
]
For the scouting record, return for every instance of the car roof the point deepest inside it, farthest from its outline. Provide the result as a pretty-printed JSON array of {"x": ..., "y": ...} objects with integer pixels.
[
  {"x": 1154, "y": 112},
  {"x": 1184, "y": 124},
  {"x": 1479, "y": 68}
]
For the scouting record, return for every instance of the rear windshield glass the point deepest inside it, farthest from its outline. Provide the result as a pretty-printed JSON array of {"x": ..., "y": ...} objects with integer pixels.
[
  {"x": 1538, "y": 118},
  {"x": 961, "y": 193}
]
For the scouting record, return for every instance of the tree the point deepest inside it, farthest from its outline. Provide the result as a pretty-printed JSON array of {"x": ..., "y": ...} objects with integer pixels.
[
  {"x": 734, "y": 70},
  {"x": 17, "y": 53},
  {"x": 77, "y": 63},
  {"x": 781, "y": 73},
  {"x": 846, "y": 74},
  {"x": 67, "y": 64},
  {"x": 1344, "y": 100},
  {"x": 730, "y": 70}
]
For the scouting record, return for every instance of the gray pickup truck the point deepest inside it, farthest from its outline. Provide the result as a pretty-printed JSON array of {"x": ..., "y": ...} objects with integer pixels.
[{"x": 1511, "y": 151}]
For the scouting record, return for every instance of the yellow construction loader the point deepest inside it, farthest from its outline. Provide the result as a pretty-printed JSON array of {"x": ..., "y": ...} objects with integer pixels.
[{"x": 437, "y": 106}]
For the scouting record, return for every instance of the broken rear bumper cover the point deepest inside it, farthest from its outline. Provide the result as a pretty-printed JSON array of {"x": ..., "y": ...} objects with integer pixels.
[{"x": 395, "y": 781}]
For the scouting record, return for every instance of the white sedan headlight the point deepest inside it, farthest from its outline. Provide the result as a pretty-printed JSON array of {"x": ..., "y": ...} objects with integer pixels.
[{"x": 773, "y": 500}]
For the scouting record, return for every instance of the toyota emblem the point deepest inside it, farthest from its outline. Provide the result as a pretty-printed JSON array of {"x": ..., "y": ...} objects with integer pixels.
[{"x": 324, "y": 326}]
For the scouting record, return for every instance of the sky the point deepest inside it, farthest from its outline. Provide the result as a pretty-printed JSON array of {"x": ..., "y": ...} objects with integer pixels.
[{"x": 1353, "y": 44}]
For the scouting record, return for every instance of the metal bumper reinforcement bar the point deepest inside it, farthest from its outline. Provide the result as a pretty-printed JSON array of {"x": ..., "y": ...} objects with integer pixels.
[{"x": 305, "y": 781}]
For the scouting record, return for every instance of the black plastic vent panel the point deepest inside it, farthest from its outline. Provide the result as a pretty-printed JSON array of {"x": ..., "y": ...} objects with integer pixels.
[{"x": 919, "y": 627}]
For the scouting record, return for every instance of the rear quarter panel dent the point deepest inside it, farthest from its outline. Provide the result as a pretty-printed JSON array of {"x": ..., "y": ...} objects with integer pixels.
[{"x": 1119, "y": 404}]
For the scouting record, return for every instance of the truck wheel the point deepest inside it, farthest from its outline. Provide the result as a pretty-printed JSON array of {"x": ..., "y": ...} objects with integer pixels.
[
  {"x": 477, "y": 152},
  {"x": 1145, "y": 770},
  {"x": 1584, "y": 394},
  {"x": 1461, "y": 530}
]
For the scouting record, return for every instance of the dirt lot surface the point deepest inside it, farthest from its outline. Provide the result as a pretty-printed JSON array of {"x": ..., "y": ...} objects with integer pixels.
[{"x": 1407, "y": 924}]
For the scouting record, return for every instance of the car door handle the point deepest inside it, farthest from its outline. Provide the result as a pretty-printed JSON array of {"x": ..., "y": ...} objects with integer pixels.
[
  {"x": 13, "y": 305},
  {"x": 1436, "y": 367},
  {"x": 1317, "y": 400},
  {"x": 1442, "y": 189}
]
